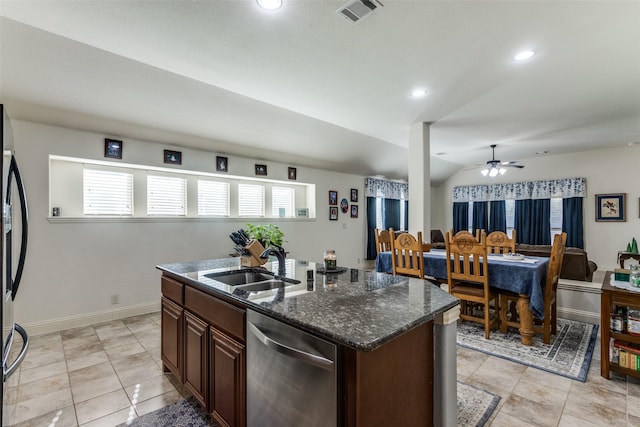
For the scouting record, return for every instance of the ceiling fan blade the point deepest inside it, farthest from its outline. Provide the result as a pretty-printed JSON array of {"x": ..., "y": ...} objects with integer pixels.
[{"x": 513, "y": 165}]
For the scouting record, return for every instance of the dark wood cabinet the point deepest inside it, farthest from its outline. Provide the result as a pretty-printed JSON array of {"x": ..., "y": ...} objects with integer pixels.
[
  {"x": 196, "y": 363},
  {"x": 610, "y": 298},
  {"x": 227, "y": 380},
  {"x": 172, "y": 337}
]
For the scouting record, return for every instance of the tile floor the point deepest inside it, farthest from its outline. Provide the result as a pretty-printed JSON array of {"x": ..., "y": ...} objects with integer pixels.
[{"x": 105, "y": 374}]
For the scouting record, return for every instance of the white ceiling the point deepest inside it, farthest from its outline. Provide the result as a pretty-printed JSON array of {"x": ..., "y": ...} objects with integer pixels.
[{"x": 304, "y": 85}]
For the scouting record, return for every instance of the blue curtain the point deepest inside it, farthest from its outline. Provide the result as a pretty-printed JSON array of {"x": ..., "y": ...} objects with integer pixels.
[
  {"x": 480, "y": 216},
  {"x": 497, "y": 216},
  {"x": 371, "y": 228},
  {"x": 572, "y": 221},
  {"x": 460, "y": 216},
  {"x": 391, "y": 213},
  {"x": 406, "y": 214},
  {"x": 532, "y": 221}
]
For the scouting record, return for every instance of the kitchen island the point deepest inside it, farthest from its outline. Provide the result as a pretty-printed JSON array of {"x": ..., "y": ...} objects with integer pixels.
[{"x": 389, "y": 332}]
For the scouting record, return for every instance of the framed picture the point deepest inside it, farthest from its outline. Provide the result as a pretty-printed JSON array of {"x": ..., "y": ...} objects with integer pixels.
[
  {"x": 173, "y": 157},
  {"x": 112, "y": 148},
  {"x": 222, "y": 164},
  {"x": 611, "y": 207},
  {"x": 302, "y": 212},
  {"x": 333, "y": 197},
  {"x": 261, "y": 170},
  {"x": 354, "y": 194},
  {"x": 292, "y": 173},
  {"x": 354, "y": 211},
  {"x": 333, "y": 213},
  {"x": 344, "y": 205}
]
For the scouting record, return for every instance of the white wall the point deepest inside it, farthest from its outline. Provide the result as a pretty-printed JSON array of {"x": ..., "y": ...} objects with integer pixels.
[
  {"x": 607, "y": 171},
  {"x": 74, "y": 267}
]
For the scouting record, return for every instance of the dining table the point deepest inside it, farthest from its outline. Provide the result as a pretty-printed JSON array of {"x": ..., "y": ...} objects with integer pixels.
[{"x": 525, "y": 277}]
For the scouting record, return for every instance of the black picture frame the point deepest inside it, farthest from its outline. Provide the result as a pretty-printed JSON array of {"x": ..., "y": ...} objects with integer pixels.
[
  {"x": 292, "y": 173},
  {"x": 333, "y": 197},
  {"x": 222, "y": 164},
  {"x": 173, "y": 157},
  {"x": 354, "y": 211},
  {"x": 344, "y": 205},
  {"x": 611, "y": 207},
  {"x": 354, "y": 195},
  {"x": 333, "y": 213},
  {"x": 112, "y": 148},
  {"x": 261, "y": 170}
]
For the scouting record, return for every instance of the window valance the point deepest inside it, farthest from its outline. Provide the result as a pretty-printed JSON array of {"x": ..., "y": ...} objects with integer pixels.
[
  {"x": 374, "y": 187},
  {"x": 544, "y": 189}
]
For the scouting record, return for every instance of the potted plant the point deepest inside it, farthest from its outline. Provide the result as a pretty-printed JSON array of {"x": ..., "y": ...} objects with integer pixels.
[{"x": 266, "y": 234}]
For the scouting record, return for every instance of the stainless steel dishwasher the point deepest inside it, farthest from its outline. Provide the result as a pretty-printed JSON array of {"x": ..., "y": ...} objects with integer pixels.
[{"x": 291, "y": 376}]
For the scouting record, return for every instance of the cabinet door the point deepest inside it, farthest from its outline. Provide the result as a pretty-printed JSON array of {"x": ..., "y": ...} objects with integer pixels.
[
  {"x": 196, "y": 347},
  {"x": 227, "y": 391},
  {"x": 172, "y": 324}
]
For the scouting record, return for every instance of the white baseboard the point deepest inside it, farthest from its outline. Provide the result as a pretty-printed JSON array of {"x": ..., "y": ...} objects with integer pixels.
[
  {"x": 579, "y": 315},
  {"x": 56, "y": 325}
]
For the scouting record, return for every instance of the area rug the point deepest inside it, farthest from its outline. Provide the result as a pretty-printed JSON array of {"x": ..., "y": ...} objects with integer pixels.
[
  {"x": 475, "y": 406},
  {"x": 569, "y": 353}
]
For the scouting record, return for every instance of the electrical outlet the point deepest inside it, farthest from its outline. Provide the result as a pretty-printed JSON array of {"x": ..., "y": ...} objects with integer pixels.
[
  {"x": 115, "y": 299},
  {"x": 358, "y": 261},
  {"x": 344, "y": 225}
]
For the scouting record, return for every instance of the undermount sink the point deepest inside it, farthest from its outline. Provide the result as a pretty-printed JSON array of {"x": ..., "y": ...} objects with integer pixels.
[
  {"x": 237, "y": 278},
  {"x": 264, "y": 286}
]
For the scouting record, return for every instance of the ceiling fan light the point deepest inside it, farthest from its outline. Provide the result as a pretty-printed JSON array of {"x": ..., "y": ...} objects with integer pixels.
[
  {"x": 502, "y": 171},
  {"x": 493, "y": 172},
  {"x": 270, "y": 4},
  {"x": 484, "y": 172}
]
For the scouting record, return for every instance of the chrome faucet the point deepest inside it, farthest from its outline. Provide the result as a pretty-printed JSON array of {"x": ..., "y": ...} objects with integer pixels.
[{"x": 280, "y": 254}]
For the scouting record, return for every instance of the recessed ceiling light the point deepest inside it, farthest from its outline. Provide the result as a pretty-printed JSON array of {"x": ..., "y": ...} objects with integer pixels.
[
  {"x": 419, "y": 93},
  {"x": 270, "y": 4},
  {"x": 526, "y": 54}
]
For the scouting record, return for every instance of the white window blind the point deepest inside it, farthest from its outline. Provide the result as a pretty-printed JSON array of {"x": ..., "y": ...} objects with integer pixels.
[
  {"x": 282, "y": 198},
  {"x": 166, "y": 195},
  {"x": 107, "y": 192},
  {"x": 555, "y": 217},
  {"x": 213, "y": 198},
  {"x": 379, "y": 223},
  {"x": 250, "y": 200}
]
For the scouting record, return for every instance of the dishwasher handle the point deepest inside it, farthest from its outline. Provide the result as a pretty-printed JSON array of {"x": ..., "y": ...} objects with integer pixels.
[{"x": 308, "y": 358}]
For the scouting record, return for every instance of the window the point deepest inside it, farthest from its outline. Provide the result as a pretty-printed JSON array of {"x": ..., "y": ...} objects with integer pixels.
[
  {"x": 510, "y": 212},
  {"x": 107, "y": 192},
  {"x": 282, "y": 198},
  {"x": 213, "y": 198},
  {"x": 556, "y": 217},
  {"x": 166, "y": 195},
  {"x": 379, "y": 223},
  {"x": 470, "y": 217},
  {"x": 250, "y": 200}
]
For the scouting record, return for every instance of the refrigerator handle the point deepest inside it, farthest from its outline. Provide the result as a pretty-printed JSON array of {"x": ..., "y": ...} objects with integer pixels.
[
  {"x": 14, "y": 171},
  {"x": 23, "y": 352}
]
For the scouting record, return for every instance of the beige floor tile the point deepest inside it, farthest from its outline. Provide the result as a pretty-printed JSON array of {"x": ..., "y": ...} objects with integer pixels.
[
  {"x": 497, "y": 375},
  {"x": 42, "y": 404},
  {"x": 92, "y": 359},
  {"x": 158, "y": 402},
  {"x": 594, "y": 412},
  {"x": 115, "y": 342},
  {"x": 633, "y": 386},
  {"x": 140, "y": 323},
  {"x": 83, "y": 349},
  {"x": 133, "y": 361},
  {"x": 101, "y": 406},
  {"x": 133, "y": 376},
  {"x": 42, "y": 356},
  {"x": 550, "y": 380},
  {"x": 80, "y": 343},
  {"x": 504, "y": 420},
  {"x": 633, "y": 406},
  {"x": 596, "y": 393},
  {"x": 633, "y": 421},
  {"x": 86, "y": 390},
  {"x": 83, "y": 331},
  {"x": 114, "y": 419},
  {"x": 571, "y": 421},
  {"x": 91, "y": 373},
  {"x": 125, "y": 350},
  {"x": 540, "y": 391},
  {"x": 44, "y": 371},
  {"x": 111, "y": 330},
  {"x": 149, "y": 388},
  {"x": 542, "y": 414},
  {"x": 64, "y": 417},
  {"x": 44, "y": 386},
  {"x": 468, "y": 361},
  {"x": 51, "y": 339}
]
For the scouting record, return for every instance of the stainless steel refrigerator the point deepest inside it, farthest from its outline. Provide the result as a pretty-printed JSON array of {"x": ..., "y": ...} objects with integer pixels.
[{"x": 14, "y": 219}]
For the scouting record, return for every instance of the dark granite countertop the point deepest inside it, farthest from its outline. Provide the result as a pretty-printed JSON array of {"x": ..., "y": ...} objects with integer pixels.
[{"x": 358, "y": 309}]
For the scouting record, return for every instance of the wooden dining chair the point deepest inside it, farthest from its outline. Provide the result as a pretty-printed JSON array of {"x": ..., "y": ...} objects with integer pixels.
[
  {"x": 468, "y": 278},
  {"x": 550, "y": 321},
  {"x": 407, "y": 255},
  {"x": 498, "y": 242},
  {"x": 383, "y": 240}
]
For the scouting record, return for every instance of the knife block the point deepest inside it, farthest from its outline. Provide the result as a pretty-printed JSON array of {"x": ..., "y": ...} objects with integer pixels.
[{"x": 255, "y": 249}]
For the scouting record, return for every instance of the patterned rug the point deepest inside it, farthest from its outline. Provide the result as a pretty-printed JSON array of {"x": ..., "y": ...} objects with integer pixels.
[
  {"x": 569, "y": 353},
  {"x": 475, "y": 406}
]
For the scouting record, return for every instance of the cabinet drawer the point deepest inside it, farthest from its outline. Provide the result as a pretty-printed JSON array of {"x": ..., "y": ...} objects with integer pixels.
[
  {"x": 220, "y": 314},
  {"x": 173, "y": 290}
]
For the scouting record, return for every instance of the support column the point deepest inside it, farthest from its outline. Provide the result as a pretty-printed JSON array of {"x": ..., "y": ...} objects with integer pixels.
[
  {"x": 445, "y": 372},
  {"x": 420, "y": 180}
]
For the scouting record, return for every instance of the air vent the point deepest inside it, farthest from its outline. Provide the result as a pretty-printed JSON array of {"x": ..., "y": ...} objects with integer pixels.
[{"x": 356, "y": 10}]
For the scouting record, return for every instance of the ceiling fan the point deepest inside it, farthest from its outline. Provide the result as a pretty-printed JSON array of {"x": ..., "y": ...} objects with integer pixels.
[{"x": 495, "y": 167}]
